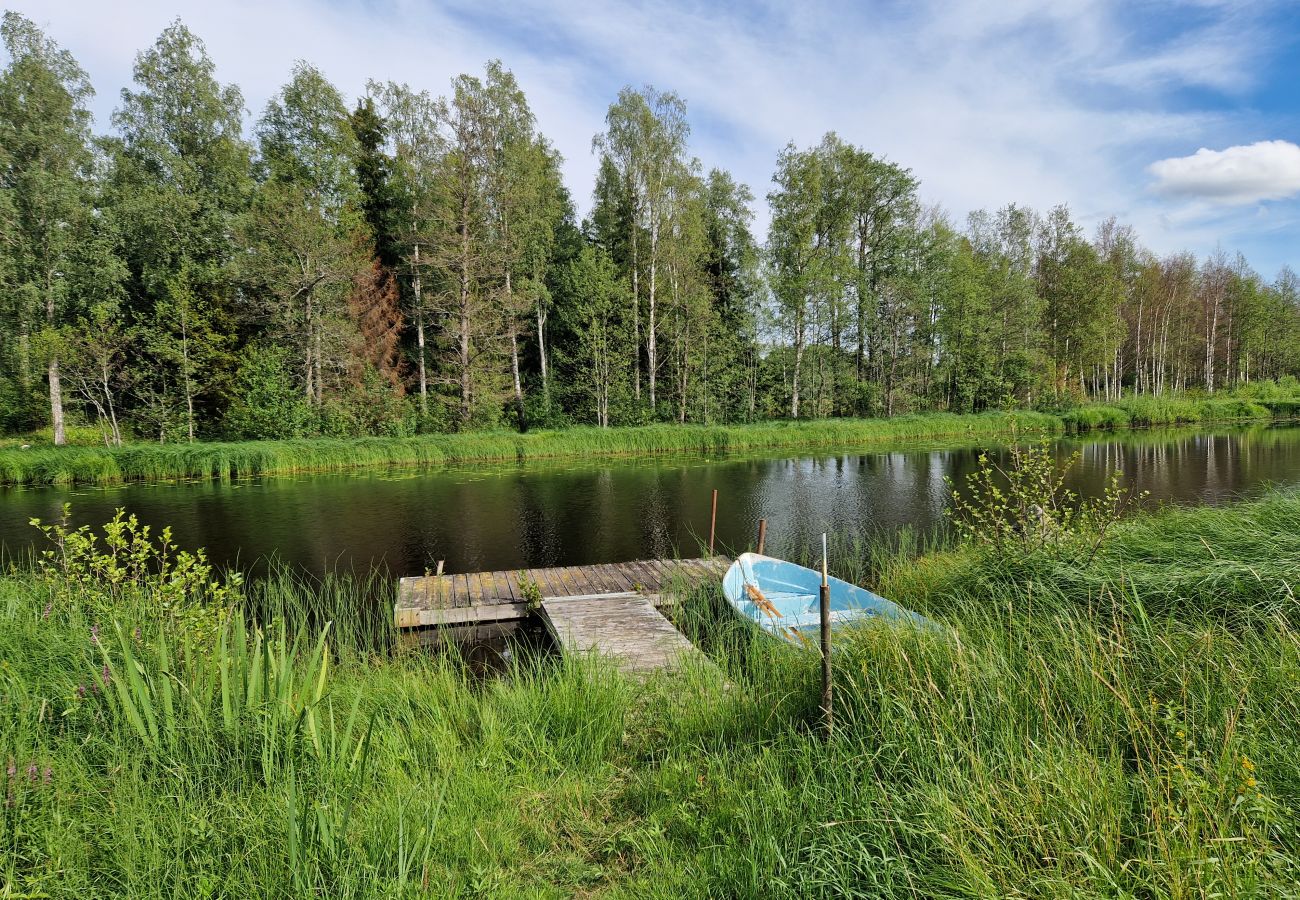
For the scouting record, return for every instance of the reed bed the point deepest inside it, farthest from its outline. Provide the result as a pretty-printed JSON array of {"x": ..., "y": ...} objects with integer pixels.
[
  {"x": 43, "y": 465},
  {"x": 151, "y": 462},
  {"x": 1121, "y": 726},
  {"x": 1155, "y": 411}
]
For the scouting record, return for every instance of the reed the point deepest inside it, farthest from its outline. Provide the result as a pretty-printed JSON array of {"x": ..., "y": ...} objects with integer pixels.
[
  {"x": 1145, "y": 411},
  {"x": 1121, "y": 727},
  {"x": 41, "y": 464},
  {"x": 152, "y": 462}
]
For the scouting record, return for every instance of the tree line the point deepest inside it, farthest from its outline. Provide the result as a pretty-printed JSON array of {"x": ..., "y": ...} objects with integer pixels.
[{"x": 413, "y": 263}]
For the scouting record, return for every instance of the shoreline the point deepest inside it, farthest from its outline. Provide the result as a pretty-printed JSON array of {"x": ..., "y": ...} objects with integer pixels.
[{"x": 153, "y": 463}]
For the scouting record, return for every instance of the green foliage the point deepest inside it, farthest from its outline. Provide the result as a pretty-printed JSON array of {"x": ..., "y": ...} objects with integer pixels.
[
  {"x": 433, "y": 238},
  {"x": 531, "y": 591},
  {"x": 266, "y": 403},
  {"x": 181, "y": 174},
  {"x": 369, "y": 408},
  {"x": 1025, "y": 508},
  {"x": 96, "y": 574},
  {"x": 1148, "y": 411},
  {"x": 263, "y": 691},
  {"x": 20, "y": 410},
  {"x": 1097, "y": 418}
]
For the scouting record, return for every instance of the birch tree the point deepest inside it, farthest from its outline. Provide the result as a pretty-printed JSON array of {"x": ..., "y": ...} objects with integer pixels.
[
  {"x": 181, "y": 178},
  {"x": 645, "y": 140},
  {"x": 307, "y": 233},
  {"x": 417, "y": 146},
  {"x": 46, "y": 179}
]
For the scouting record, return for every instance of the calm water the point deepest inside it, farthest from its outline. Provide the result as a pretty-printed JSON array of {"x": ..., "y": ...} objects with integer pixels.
[{"x": 509, "y": 517}]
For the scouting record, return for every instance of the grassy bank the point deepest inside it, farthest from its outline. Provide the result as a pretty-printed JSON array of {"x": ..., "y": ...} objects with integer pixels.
[
  {"x": 1149, "y": 411},
  {"x": 46, "y": 465},
  {"x": 1122, "y": 726},
  {"x": 152, "y": 462}
]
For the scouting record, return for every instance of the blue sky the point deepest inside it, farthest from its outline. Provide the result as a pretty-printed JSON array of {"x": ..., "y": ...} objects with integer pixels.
[{"x": 1180, "y": 118}]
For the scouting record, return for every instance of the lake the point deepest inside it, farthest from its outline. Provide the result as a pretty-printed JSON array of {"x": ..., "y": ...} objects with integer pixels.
[{"x": 610, "y": 510}]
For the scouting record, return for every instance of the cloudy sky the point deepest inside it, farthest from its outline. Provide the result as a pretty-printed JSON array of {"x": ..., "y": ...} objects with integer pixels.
[{"x": 1181, "y": 118}]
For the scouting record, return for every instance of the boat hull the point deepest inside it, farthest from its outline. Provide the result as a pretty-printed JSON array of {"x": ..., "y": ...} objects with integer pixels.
[{"x": 784, "y": 599}]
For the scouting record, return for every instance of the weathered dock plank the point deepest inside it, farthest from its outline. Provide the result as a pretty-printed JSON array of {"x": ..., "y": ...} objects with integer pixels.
[
  {"x": 626, "y": 628},
  {"x": 478, "y": 597}
]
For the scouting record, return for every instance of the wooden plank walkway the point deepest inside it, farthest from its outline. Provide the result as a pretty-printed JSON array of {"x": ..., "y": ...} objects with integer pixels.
[
  {"x": 475, "y": 597},
  {"x": 624, "y": 627}
]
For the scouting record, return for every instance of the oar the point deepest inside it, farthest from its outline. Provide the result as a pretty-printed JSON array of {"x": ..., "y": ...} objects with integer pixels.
[{"x": 766, "y": 606}]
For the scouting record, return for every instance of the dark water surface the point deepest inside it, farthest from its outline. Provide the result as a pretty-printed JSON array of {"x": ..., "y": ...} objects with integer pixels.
[{"x": 503, "y": 517}]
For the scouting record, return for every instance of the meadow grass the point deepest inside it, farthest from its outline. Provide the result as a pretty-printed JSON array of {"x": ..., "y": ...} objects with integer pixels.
[{"x": 1120, "y": 726}]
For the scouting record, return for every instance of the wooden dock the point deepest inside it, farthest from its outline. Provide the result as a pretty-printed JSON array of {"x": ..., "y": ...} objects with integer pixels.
[
  {"x": 624, "y": 627},
  {"x": 469, "y": 598},
  {"x": 609, "y": 609}
]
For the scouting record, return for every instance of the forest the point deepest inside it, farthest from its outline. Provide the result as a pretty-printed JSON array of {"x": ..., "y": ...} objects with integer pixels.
[{"x": 413, "y": 262}]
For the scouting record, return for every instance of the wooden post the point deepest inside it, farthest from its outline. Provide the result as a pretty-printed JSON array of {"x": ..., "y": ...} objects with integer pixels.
[
  {"x": 713, "y": 522},
  {"x": 762, "y": 534},
  {"x": 825, "y": 604}
]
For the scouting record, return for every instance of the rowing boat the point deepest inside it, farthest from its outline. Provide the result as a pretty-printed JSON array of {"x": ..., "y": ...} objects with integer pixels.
[{"x": 784, "y": 599}]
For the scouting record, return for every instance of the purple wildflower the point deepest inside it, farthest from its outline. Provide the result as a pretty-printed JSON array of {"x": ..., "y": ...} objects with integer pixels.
[
  {"x": 104, "y": 674},
  {"x": 137, "y": 633},
  {"x": 81, "y": 692},
  {"x": 13, "y": 768},
  {"x": 33, "y": 773},
  {"x": 49, "y": 775},
  {"x": 94, "y": 633},
  {"x": 45, "y": 614}
]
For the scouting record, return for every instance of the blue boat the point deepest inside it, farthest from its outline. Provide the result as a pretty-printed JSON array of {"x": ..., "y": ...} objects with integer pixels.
[{"x": 784, "y": 599}]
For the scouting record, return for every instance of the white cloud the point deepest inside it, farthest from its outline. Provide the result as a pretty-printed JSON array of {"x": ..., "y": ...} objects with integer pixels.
[{"x": 1247, "y": 173}]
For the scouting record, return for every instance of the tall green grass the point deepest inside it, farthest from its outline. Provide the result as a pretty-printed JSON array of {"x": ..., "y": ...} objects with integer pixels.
[
  {"x": 1121, "y": 728},
  {"x": 149, "y": 462},
  {"x": 1147, "y": 411},
  {"x": 46, "y": 465}
]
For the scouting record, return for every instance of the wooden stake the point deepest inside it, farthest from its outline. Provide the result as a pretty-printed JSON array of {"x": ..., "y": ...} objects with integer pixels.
[
  {"x": 713, "y": 522},
  {"x": 762, "y": 534},
  {"x": 828, "y": 715}
]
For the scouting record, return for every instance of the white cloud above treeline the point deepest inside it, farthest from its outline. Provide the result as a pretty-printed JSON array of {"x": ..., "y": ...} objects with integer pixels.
[{"x": 1247, "y": 173}]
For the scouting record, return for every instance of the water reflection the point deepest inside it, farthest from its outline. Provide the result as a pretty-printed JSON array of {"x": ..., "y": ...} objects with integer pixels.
[{"x": 508, "y": 517}]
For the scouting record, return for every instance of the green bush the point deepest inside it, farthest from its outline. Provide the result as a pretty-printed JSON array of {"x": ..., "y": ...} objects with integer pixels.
[
  {"x": 265, "y": 402},
  {"x": 372, "y": 408},
  {"x": 96, "y": 575},
  {"x": 1025, "y": 508}
]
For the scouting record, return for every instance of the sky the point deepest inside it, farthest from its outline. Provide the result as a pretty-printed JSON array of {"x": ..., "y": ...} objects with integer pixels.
[{"x": 1181, "y": 118}]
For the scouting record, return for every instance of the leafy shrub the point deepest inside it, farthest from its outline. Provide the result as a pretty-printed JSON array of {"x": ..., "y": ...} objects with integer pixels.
[
  {"x": 369, "y": 409},
  {"x": 20, "y": 410},
  {"x": 267, "y": 404},
  {"x": 1026, "y": 508},
  {"x": 127, "y": 568},
  {"x": 531, "y": 590}
]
